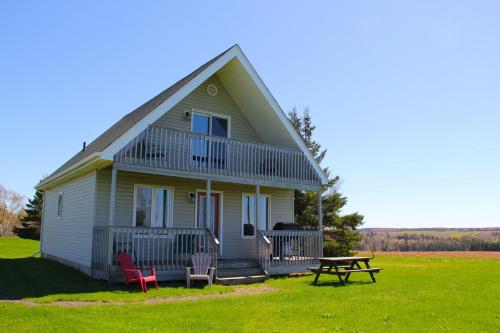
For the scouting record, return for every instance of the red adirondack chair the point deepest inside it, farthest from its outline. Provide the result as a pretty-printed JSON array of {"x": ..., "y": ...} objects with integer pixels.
[{"x": 133, "y": 274}]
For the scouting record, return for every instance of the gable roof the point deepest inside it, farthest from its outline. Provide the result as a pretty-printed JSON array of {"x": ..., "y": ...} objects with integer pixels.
[{"x": 114, "y": 138}]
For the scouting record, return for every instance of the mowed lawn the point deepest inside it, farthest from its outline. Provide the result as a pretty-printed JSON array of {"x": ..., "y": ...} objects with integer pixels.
[{"x": 412, "y": 294}]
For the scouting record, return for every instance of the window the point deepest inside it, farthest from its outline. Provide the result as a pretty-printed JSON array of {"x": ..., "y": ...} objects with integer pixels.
[
  {"x": 208, "y": 124},
  {"x": 153, "y": 206},
  {"x": 201, "y": 123},
  {"x": 248, "y": 215},
  {"x": 59, "y": 205},
  {"x": 213, "y": 125},
  {"x": 219, "y": 127}
]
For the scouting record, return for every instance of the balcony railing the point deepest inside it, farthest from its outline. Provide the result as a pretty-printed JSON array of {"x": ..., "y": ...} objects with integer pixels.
[{"x": 196, "y": 153}]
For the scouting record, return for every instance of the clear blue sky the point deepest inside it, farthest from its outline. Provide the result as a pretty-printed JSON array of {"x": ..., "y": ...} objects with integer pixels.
[{"x": 405, "y": 94}]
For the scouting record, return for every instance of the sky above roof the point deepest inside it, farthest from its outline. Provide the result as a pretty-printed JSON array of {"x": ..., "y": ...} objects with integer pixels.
[{"x": 404, "y": 94}]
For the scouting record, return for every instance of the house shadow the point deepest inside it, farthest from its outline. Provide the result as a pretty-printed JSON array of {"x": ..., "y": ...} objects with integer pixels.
[
  {"x": 37, "y": 277},
  {"x": 337, "y": 283}
]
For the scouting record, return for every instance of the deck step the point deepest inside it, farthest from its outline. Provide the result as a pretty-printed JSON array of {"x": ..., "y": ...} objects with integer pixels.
[
  {"x": 241, "y": 280},
  {"x": 237, "y": 272},
  {"x": 230, "y": 276},
  {"x": 237, "y": 263}
]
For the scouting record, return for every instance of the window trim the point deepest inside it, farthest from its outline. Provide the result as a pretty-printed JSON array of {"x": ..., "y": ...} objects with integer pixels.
[
  {"x": 268, "y": 196},
  {"x": 170, "y": 221},
  {"x": 210, "y": 115},
  {"x": 59, "y": 212}
]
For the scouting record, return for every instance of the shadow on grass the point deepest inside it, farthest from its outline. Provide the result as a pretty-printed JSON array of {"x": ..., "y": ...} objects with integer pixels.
[
  {"x": 307, "y": 279},
  {"x": 35, "y": 277},
  {"x": 337, "y": 284}
]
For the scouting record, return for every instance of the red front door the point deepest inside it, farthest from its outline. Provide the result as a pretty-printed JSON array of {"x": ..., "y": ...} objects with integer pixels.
[{"x": 201, "y": 215}]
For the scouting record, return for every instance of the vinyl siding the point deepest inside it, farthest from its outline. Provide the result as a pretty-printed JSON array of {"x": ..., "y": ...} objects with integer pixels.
[
  {"x": 70, "y": 237},
  {"x": 184, "y": 210},
  {"x": 222, "y": 103}
]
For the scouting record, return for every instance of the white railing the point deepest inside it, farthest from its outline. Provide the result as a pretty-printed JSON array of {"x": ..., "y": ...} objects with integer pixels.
[
  {"x": 280, "y": 251},
  {"x": 167, "y": 249},
  {"x": 186, "y": 151}
]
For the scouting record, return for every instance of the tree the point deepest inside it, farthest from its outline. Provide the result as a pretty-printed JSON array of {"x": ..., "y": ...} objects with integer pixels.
[
  {"x": 11, "y": 206},
  {"x": 31, "y": 222},
  {"x": 340, "y": 230}
]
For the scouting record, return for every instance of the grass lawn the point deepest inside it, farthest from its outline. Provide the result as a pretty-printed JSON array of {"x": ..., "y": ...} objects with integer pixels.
[{"x": 412, "y": 294}]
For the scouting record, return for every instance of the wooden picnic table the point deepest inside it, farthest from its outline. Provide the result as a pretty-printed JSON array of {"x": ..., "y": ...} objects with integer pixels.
[{"x": 344, "y": 266}]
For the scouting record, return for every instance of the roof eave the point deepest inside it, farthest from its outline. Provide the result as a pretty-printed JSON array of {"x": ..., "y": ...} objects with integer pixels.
[{"x": 90, "y": 163}]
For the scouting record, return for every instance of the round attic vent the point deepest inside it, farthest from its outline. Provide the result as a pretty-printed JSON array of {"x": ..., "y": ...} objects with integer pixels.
[{"x": 212, "y": 90}]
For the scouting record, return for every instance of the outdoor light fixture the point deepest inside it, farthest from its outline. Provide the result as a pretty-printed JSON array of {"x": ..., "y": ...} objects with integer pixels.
[
  {"x": 187, "y": 116},
  {"x": 191, "y": 196}
]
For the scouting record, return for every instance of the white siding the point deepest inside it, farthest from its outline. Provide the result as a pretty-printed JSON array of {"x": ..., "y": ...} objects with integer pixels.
[
  {"x": 70, "y": 237},
  {"x": 184, "y": 210},
  {"x": 222, "y": 103}
]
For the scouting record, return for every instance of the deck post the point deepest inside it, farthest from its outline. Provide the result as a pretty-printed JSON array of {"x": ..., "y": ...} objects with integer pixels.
[
  {"x": 208, "y": 219},
  {"x": 320, "y": 211},
  {"x": 257, "y": 195},
  {"x": 111, "y": 221}
]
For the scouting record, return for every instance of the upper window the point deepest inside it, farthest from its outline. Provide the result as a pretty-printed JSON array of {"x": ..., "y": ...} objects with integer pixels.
[
  {"x": 201, "y": 123},
  {"x": 59, "y": 205},
  {"x": 209, "y": 124},
  {"x": 153, "y": 206},
  {"x": 248, "y": 217}
]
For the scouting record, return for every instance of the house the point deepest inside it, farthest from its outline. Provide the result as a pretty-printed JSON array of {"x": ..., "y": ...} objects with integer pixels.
[{"x": 143, "y": 185}]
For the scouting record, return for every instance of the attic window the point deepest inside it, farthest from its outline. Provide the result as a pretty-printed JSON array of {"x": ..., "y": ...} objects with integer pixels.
[{"x": 212, "y": 90}]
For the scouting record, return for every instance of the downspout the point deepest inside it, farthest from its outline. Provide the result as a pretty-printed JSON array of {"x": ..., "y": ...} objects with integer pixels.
[{"x": 42, "y": 224}]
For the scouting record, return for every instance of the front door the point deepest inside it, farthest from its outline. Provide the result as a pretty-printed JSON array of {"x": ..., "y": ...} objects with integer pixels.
[{"x": 212, "y": 224}]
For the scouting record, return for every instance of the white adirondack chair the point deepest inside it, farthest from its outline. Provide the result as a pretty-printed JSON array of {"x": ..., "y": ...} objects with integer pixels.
[{"x": 201, "y": 269}]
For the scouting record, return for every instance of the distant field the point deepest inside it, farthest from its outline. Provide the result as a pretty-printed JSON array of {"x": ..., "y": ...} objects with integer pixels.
[
  {"x": 447, "y": 254},
  {"x": 430, "y": 239}
]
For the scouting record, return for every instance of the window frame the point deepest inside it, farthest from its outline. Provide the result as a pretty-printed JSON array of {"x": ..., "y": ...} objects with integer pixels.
[
  {"x": 268, "y": 224},
  {"x": 60, "y": 207},
  {"x": 170, "y": 218},
  {"x": 210, "y": 114}
]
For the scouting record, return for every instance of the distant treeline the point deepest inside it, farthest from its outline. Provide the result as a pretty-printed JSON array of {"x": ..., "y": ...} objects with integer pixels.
[{"x": 403, "y": 240}]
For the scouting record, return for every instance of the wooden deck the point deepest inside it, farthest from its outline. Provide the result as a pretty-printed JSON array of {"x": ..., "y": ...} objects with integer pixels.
[
  {"x": 167, "y": 249},
  {"x": 170, "y": 250}
]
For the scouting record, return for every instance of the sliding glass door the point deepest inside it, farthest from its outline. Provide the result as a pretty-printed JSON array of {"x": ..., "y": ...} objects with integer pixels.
[{"x": 209, "y": 152}]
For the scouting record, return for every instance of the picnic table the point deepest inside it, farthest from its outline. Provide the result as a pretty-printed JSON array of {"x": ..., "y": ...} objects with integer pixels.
[{"x": 344, "y": 266}]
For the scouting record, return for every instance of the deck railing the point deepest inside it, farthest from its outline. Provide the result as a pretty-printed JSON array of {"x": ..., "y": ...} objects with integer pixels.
[
  {"x": 186, "y": 151},
  {"x": 167, "y": 249},
  {"x": 282, "y": 251}
]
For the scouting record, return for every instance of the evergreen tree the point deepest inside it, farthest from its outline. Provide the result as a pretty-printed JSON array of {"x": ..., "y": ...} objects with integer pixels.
[
  {"x": 340, "y": 230},
  {"x": 31, "y": 221}
]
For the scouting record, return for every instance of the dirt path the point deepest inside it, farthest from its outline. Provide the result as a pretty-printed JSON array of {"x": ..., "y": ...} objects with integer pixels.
[{"x": 237, "y": 292}]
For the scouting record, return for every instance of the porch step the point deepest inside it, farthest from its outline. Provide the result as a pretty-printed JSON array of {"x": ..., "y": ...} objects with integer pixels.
[
  {"x": 240, "y": 276},
  {"x": 237, "y": 263}
]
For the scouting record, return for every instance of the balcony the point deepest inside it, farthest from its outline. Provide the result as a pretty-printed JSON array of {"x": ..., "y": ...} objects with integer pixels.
[{"x": 190, "y": 154}]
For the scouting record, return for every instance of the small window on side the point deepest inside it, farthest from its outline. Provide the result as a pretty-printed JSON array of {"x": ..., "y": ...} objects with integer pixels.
[{"x": 59, "y": 205}]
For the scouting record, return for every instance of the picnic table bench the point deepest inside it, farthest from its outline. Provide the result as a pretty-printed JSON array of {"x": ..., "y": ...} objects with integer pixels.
[{"x": 344, "y": 266}]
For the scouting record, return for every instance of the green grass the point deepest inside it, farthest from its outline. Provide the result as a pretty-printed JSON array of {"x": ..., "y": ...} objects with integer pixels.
[
  {"x": 44, "y": 281},
  {"x": 412, "y": 294}
]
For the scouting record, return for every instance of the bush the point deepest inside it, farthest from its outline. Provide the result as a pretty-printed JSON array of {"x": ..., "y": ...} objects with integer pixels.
[
  {"x": 29, "y": 230},
  {"x": 332, "y": 248}
]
